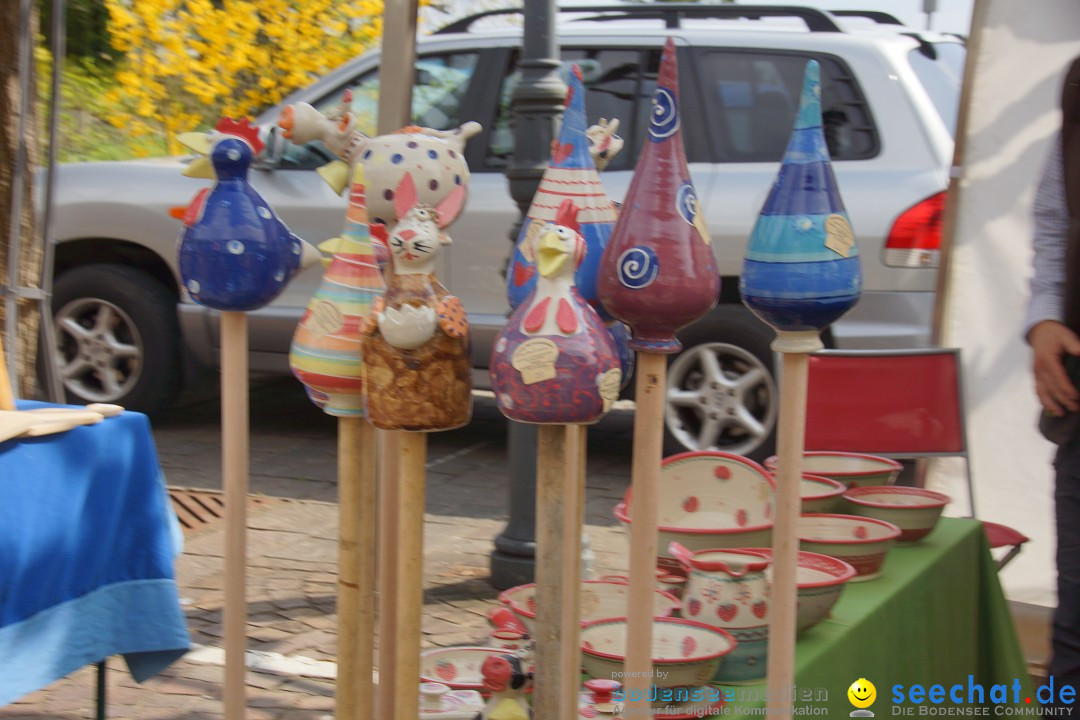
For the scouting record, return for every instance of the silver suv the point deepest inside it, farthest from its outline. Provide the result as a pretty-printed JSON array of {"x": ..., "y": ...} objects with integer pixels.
[{"x": 126, "y": 330}]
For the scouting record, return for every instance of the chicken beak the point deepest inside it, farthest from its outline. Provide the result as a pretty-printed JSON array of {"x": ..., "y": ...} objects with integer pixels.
[{"x": 551, "y": 255}]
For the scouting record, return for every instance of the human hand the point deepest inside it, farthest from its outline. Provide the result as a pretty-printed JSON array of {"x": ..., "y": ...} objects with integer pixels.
[{"x": 1051, "y": 341}]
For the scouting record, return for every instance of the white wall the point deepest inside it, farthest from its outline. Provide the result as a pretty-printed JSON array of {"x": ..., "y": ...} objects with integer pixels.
[{"x": 1020, "y": 58}]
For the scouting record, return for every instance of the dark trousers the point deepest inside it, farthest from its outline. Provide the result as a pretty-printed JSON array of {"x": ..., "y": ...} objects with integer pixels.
[{"x": 1065, "y": 660}]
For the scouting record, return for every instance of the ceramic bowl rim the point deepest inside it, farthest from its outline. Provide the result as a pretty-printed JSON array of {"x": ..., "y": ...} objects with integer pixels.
[
  {"x": 847, "y": 571},
  {"x": 667, "y": 621},
  {"x": 888, "y": 462},
  {"x": 837, "y": 488},
  {"x": 433, "y": 652},
  {"x": 894, "y": 531},
  {"x": 622, "y": 511},
  {"x": 504, "y": 597},
  {"x": 712, "y": 565},
  {"x": 934, "y": 499}
]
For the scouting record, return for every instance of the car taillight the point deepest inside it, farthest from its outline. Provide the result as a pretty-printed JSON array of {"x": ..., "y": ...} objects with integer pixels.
[{"x": 915, "y": 237}]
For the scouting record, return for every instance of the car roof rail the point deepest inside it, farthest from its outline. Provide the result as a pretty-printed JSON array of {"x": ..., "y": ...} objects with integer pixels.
[
  {"x": 878, "y": 16},
  {"x": 672, "y": 13}
]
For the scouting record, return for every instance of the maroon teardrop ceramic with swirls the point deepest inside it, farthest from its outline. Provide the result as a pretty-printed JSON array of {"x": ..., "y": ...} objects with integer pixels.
[{"x": 658, "y": 272}]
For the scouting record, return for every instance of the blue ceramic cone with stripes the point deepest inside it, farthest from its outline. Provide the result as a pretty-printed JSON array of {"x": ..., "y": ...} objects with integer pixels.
[
  {"x": 571, "y": 174},
  {"x": 802, "y": 268}
]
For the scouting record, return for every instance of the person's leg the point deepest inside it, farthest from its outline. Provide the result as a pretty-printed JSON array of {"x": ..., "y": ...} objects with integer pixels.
[{"x": 1065, "y": 658}]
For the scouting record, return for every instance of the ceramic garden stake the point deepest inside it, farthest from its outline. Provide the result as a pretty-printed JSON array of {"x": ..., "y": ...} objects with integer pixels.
[
  {"x": 554, "y": 361},
  {"x": 658, "y": 274},
  {"x": 801, "y": 273},
  {"x": 571, "y": 174},
  {"x": 434, "y": 158},
  {"x": 325, "y": 357},
  {"x": 235, "y": 255},
  {"x": 325, "y": 353},
  {"x": 416, "y": 375},
  {"x": 416, "y": 344}
]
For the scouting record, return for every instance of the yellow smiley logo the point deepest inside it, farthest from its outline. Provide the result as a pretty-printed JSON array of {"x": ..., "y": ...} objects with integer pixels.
[{"x": 862, "y": 693}]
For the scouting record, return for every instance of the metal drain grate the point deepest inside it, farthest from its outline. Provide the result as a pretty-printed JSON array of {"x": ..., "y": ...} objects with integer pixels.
[{"x": 197, "y": 509}]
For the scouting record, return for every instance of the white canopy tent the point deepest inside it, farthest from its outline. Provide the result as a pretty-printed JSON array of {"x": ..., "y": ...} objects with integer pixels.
[{"x": 1020, "y": 52}]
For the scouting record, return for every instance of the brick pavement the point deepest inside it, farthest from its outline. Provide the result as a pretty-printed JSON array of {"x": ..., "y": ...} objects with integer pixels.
[{"x": 292, "y": 552}]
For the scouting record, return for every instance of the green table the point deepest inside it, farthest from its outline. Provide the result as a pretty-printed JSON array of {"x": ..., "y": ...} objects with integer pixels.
[{"x": 935, "y": 616}]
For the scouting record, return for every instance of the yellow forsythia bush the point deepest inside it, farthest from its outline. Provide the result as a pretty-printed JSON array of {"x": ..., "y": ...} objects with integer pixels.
[{"x": 188, "y": 62}]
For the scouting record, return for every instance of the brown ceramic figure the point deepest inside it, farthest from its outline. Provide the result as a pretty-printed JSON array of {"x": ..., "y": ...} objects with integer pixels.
[{"x": 416, "y": 338}]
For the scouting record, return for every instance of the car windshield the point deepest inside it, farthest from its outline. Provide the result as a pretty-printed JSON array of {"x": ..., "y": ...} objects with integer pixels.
[{"x": 940, "y": 68}]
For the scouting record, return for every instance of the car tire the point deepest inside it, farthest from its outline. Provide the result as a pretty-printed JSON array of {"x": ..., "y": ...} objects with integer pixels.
[
  {"x": 117, "y": 338},
  {"x": 721, "y": 389}
]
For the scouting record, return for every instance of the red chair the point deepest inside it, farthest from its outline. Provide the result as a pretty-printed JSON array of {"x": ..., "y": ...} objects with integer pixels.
[{"x": 900, "y": 404}]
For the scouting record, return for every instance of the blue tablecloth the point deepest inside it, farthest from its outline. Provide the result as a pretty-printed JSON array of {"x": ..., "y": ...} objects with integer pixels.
[{"x": 87, "y": 542}]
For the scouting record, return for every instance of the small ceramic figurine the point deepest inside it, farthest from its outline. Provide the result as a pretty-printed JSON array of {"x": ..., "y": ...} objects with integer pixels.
[
  {"x": 434, "y": 158},
  {"x": 802, "y": 268},
  {"x": 416, "y": 338},
  {"x": 571, "y": 174},
  {"x": 325, "y": 352},
  {"x": 235, "y": 254},
  {"x": 507, "y": 682},
  {"x": 659, "y": 273},
  {"x": 554, "y": 361}
]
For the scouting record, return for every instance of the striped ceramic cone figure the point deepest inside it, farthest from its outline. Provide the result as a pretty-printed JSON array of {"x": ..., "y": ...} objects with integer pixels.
[
  {"x": 325, "y": 352},
  {"x": 570, "y": 174},
  {"x": 802, "y": 268}
]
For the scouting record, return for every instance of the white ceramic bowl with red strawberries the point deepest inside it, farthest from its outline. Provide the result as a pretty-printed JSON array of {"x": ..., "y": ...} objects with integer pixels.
[
  {"x": 861, "y": 542},
  {"x": 820, "y": 580},
  {"x": 599, "y": 599},
  {"x": 851, "y": 469},
  {"x": 709, "y": 500},
  {"x": 685, "y": 653},
  {"x": 915, "y": 511}
]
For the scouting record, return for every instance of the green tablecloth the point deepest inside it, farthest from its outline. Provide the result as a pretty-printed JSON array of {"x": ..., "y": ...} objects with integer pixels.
[{"x": 935, "y": 616}]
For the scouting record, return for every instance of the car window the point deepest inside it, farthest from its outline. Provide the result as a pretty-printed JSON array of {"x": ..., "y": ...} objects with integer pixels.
[
  {"x": 440, "y": 84},
  {"x": 940, "y": 68},
  {"x": 619, "y": 83},
  {"x": 753, "y": 97}
]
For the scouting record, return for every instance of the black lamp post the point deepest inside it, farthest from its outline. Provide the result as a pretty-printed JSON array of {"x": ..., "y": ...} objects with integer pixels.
[{"x": 537, "y": 104}]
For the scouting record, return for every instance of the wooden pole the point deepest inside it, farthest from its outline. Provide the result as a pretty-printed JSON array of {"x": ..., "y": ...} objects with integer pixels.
[
  {"x": 645, "y": 493},
  {"x": 7, "y": 397},
  {"x": 234, "y": 463},
  {"x": 354, "y": 696},
  {"x": 782, "y": 611},
  {"x": 570, "y": 605},
  {"x": 410, "y": 579},
  {"x": 389, "y": 499},
  {"x": 551, "y": 522}
]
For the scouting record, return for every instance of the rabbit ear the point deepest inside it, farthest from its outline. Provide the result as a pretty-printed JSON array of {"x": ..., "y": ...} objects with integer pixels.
[
  {"x": 450, "y": 206},
  {"x": 404, "y": 195}
]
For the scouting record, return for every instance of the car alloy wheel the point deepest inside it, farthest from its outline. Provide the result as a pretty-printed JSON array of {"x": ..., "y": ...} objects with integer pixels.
[
  {"x": 720, "y": 397},
  {"x": 99, "y": 348}
]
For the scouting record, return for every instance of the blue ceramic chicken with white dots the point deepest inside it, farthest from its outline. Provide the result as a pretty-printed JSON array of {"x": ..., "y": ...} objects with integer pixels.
[{"x": 235, "y": 253}]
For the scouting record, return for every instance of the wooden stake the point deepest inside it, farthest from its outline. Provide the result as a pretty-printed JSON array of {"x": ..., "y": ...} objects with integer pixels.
[
  {"x": 7, "y": 396},
  {"x": 570, "y": 605},
  {"x": 410, "y": 579},
  {"x": 791, "y": 431},
  {"x": 645, "y": 494},
  {"x": 551, "y": 522},
  {"x": 234, "y": 465},
  {"x": 354, "y": 695},
  {"x": 389, "y": 499}
]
